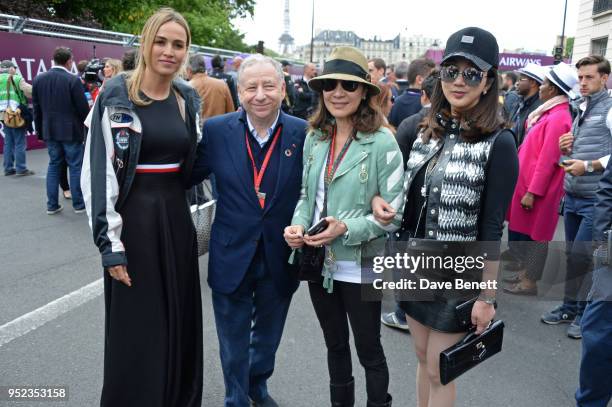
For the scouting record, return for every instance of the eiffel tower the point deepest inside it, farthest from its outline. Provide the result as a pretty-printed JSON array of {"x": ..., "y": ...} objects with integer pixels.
[{"x": 286, "y": 40}]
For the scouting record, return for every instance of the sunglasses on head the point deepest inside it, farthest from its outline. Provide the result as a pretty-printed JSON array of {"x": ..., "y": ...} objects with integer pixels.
[
  {"x": 330, "y": 84},
  {"x": 471, "y": 76}
]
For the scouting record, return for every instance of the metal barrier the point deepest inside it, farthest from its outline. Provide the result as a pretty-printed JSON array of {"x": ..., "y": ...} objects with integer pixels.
[{"x": 33, "y": 26}]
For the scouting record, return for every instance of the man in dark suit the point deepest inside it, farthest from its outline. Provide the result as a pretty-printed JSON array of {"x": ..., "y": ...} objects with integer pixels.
[
  {"x": 60, "y": 108},
  {"x": 256, "y": 157},
  {"x": 596, "y": 324},
  {"x": 409, "y": 102}
]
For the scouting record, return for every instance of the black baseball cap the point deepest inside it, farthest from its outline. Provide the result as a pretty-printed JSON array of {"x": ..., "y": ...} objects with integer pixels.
[{"x": 475, "y": 44}]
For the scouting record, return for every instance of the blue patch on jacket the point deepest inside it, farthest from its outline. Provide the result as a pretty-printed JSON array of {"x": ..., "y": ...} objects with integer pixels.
[{"x": 121, "y": 118}]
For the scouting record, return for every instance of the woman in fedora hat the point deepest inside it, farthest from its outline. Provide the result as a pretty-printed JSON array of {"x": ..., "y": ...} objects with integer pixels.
[
  {"x": 349, "y": 157},
  {"x": 533, "y": 213},
  {"x": 459, "y": 179}
]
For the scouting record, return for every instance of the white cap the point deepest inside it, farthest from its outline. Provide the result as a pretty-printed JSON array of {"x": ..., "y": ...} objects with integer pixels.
[
  {"x": 564, "y": 77},
  {"x": 534, "y": 71}
]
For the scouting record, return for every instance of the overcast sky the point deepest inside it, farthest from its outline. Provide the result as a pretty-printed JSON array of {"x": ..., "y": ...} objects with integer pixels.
[{"x": 530, "y": 24}]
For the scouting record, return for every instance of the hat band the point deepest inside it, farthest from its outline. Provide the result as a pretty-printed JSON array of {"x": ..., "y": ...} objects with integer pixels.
[
  {"x": 345, "y": 67},
  {"x": 559, "y": 82}
]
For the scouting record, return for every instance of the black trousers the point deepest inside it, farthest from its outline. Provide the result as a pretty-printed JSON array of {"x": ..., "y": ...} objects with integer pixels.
[
  {"x": 63, "y": 179},
  {"x": 334, "y": 311}
]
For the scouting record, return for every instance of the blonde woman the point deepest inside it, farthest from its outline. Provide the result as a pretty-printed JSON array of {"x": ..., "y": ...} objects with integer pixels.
[
  {"x": 140, "y": 150},
  {"x": 112, "y": 67}
]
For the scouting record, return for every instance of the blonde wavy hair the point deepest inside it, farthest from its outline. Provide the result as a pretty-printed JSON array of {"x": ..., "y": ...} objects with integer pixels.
[
  {"x": 147, "y": 38},
  {"x": 116, "y": 65}
]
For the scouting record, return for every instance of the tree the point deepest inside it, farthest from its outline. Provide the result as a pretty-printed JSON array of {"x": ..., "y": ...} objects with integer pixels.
[
  {"x": 209, "y": 20},
  {"x": 569, "y": 48}
]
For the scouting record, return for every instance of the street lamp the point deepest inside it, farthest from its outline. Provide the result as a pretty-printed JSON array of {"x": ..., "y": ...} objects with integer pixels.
[
  {"x": 312, "y": 32},
  {"x": 560, "y": 48}
]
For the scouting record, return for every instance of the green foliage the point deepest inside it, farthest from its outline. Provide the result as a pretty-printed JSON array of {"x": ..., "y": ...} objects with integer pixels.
[
  {"x": 569, "y": 47},
  {"x": 209, "y": 20}
]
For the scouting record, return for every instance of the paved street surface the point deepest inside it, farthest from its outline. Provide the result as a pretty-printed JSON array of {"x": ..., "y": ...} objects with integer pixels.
[{"x": 44, "y": 258}]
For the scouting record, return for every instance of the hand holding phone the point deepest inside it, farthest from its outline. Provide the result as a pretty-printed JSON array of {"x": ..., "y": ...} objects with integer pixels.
[
  {"x": 317, "y": 228},
  {"x": 563, "y": 161}
]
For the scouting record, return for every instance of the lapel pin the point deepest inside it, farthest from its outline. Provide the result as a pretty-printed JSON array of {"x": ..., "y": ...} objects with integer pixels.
[{"x": 288, "y": 152}]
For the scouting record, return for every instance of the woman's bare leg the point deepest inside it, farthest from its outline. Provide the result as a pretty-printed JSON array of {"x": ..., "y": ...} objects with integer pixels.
[
  {"x": 420, "y": 337},
  {"x": 439, "y": 395}
]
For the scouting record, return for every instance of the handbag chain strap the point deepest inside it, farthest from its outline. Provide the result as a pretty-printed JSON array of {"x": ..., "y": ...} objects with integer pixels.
[{"x": 426, "y": 187}]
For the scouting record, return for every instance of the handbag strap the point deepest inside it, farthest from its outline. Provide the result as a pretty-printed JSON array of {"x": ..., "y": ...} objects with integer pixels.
[
  {"x": 18, "y": 91},
  {"x": 8, "y": 88}
]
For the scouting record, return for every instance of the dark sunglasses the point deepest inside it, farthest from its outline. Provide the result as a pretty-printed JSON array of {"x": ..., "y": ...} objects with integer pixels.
[
  {"x": 330, "y": 84},
  {"x": 472, "y": 76}
]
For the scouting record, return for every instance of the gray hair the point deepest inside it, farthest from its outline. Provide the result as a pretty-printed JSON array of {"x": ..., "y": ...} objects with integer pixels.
[
  {"x": 197, "y": 64},
  {"x": 257, "y": 59},
  {"x": 401, "y": 70}
]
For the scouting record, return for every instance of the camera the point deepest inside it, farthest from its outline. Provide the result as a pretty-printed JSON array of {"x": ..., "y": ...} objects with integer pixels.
[{"x": 92, "y": 73}]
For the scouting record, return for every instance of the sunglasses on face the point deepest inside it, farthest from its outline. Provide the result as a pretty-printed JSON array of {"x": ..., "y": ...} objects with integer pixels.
[
  {"x": 330, "y": 84},
  {"x": 471, "y": 76}
]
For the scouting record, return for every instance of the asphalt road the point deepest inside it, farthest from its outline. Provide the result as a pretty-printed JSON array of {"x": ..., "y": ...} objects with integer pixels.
[{"x": 43, "y": 258}]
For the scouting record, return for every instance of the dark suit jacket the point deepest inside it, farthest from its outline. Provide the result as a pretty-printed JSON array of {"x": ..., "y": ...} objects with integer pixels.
[
  {"x": 240, "y": 222},
  {"x": 602, "y": 215},
  {"x": 408, "y": 131},
  {"x": 407, "y": 104},
  {"x": 60, "y": 106}
]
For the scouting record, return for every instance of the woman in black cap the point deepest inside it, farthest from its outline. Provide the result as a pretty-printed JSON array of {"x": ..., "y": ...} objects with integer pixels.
[
  {"x": 460, "y": 177},
  {"x": 349, "y": 157}
]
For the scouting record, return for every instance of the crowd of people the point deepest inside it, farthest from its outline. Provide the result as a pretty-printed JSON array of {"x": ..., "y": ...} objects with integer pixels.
[{"x": 310, "y": 177}]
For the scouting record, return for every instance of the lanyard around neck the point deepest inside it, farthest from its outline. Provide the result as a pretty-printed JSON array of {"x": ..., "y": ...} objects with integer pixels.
[
  {"x": 331, "y": 166},
  {"x": 258, "y": 175}
]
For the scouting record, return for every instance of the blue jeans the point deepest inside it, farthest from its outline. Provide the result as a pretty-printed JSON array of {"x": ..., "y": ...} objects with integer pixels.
[
  {"x": 578, "y": 221},
  {"x": 596, "y": 365},
  {"x": 14, "y": 149},
  {"x": 72, "y": 153},
  {"x": 250, "y": 323}
]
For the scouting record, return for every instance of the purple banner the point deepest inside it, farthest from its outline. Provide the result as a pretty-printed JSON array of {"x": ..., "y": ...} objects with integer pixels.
[
  {"x": 507, "y": 62},
  {"x": 33, "y": 55}
]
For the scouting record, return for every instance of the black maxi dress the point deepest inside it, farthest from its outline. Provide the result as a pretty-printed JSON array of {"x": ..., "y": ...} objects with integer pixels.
[{"x": 153, "y": 331}]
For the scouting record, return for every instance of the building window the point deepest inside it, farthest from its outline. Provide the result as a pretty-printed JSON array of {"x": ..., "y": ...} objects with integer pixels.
[
  {"x": 599, "y": 6},
  {"x": 599, "y": 46}
]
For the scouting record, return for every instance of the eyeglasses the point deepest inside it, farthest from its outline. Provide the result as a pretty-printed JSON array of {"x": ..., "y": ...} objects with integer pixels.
[
  {"x": 330, "y": 84},
  {"x": 472, "y": 76}
]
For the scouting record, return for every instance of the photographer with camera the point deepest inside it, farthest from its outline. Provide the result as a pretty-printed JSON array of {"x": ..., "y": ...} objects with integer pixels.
[{"x": 92, "y": 78}]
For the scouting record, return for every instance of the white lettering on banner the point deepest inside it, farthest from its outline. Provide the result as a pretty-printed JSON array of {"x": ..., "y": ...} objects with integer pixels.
[
  {"x": 42, "y": 67},
  {"x": 519, "y": 62},
  {"x": 28, "y": 61}
]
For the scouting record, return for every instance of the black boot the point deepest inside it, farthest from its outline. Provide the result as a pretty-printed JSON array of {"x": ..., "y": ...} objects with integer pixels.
[
  {"x": 342, "y": 395},
  {"x": 385, "y": 404}
]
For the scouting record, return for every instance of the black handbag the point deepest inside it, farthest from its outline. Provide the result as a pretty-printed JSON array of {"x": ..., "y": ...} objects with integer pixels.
[
  {"x": 311, "y": 261},
  {"x": 470, "y": 351}
]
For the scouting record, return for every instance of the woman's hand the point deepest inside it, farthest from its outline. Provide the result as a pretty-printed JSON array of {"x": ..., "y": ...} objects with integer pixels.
[
  {"x": 482, "y": 315},
  {"x": 334, "y": 229},
  {"x": 527, "y": 201},
  {"x": 382, "y": 211},
  {"x": 294, "y": 236},
  {"x": 119, "y": 273}
]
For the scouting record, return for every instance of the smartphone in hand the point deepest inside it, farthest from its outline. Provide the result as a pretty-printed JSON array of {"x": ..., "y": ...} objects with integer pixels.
[
  {"x": 317, "y": 228},
  {"x": 563, "y": 160}
]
